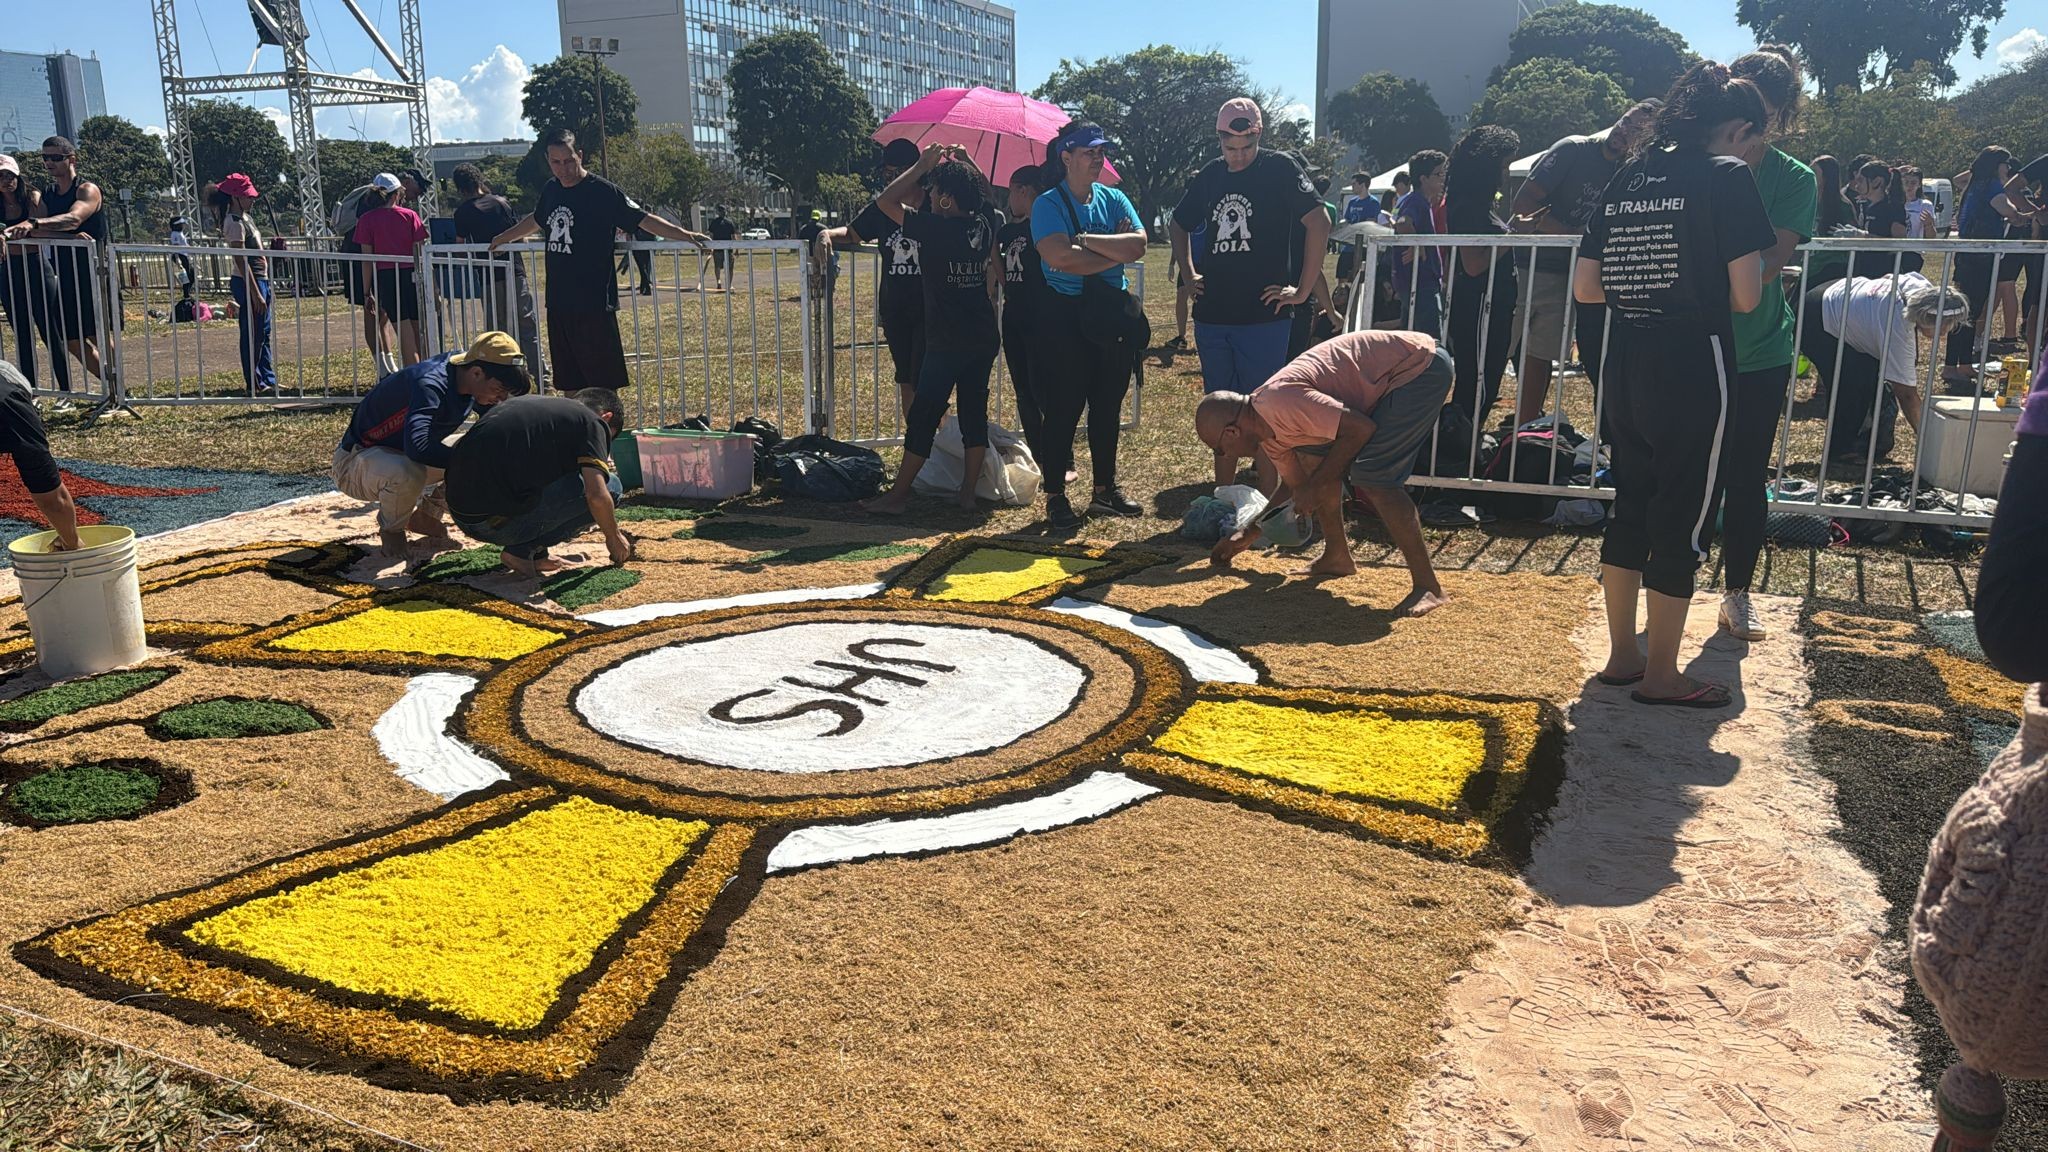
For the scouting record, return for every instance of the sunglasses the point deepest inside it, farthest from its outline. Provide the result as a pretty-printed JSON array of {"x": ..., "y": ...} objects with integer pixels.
[{"x": 55, "y": 158}]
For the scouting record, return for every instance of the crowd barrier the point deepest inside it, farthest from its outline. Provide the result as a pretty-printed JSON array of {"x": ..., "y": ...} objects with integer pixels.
[
  {"x": 59, "y": 314},
  {"x": 1941, "y": 477}
]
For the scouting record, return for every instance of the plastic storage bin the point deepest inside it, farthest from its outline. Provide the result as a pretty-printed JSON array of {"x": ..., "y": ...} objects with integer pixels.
[
  {"x": 1942, "y": 461},
  {"x": 626, "y": 460},
  {"x": 696, "y": 465}
]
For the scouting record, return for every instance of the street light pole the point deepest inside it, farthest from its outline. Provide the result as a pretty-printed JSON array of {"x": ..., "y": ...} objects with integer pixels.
[{"x": 598, "y": 49}]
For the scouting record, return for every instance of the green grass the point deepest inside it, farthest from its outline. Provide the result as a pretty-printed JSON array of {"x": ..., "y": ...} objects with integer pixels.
[
  {"x": 83, "y": 794},
  {"x": 233, "y": 718},
  {"x": 76, "y": 696}
]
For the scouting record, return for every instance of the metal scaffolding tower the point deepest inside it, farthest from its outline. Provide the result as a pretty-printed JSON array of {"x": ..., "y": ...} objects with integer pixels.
[{"x": 282, "y": 22}]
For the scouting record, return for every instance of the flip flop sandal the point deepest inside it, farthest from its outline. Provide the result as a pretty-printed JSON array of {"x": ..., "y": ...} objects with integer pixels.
[
  {"x": 1618, "y": 681},
  {"x": 1705, "y": 696}
]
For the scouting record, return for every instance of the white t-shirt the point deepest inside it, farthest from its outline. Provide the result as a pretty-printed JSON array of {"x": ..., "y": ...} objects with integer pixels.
[
  {"x": 1869, "y": 314},
  {"x": 1920, "y": 219}
]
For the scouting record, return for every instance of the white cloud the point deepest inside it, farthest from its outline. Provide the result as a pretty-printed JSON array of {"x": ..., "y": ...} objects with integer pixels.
[
  {"x": 484, "y": 103},
  {"x": 281, "y": 118},
  {"x": 481, "y": 104},
  {"x": 2021, "y": 45}
]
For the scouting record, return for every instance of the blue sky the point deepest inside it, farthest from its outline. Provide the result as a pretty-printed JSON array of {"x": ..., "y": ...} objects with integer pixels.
[{"x": 478, "y": 51}]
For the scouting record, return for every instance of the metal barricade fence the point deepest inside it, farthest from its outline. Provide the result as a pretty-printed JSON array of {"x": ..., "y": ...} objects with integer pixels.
[
  {"x": 1806, "y": 476},
  {"x": 315, "y": 342},
  {"x": 859, "y": 401},
  {"x": 720, "y": 331},
  {"x": 58, "y": 315}
]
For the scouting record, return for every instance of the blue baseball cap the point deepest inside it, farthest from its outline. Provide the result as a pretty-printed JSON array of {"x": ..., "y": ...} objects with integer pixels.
[{"x": 1083, "y": 136}]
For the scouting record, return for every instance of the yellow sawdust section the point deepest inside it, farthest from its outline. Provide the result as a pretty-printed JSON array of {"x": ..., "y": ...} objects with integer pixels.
[
  {"x": 424, "y": 627},
  {"x": 1342, "y": 753},
  {"x": 990, "y": 575},
  {"x": 1975, "y": 685},
  {"x": 487, "y": 928}
]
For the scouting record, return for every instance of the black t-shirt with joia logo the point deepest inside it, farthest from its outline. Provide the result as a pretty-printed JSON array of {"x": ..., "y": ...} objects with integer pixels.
[
  {"x": 1249, "y": 219},
  {"x": 898, "y": 291},
  {"x": 955, "y": 251},
  {"x": 578, "y": 226},
  {"x": 1023, "y": 275},
  {"x": 1666, "y": 230}
]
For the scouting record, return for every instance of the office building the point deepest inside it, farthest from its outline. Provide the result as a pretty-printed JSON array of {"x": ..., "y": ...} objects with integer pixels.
[
  {"x": 676, "y": 51},
  {"x": 1450, "y": 45},
  {"x": 47, "y": 95},
  {"x": 448, "y": 154}
]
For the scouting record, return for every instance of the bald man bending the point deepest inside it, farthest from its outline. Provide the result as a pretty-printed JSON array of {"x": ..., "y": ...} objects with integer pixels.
[{"x": 1360, "y": 404}]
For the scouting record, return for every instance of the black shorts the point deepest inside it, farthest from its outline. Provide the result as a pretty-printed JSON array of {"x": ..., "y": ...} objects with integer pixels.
[
  {"x": 398, "y": 295},
  {"x": 584, "y": 351},
  {"x": 78, "y": 305}
]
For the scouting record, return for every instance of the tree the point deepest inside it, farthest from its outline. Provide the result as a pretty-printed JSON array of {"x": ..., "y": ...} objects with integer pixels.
[
  {"x": 346, "y": 165},
  {"x": 501, "y": 175},
  {"x": 659, "y": 168},
  {"x": 1838, "y": 45},
  {"x": 843, "y": 193},
  {"x": 1901, "y": 119},
  {"x": 1159, "y": 104},
  {"x": 122, "y": 157},
  {"x": 1632, "y": 46},
  {"x": 233, "y": 137},
  {"x": 1296, "y": 134},
  {"x": 736, "y": 188},
  {"x": 795, "y": 112},
  {"x": 2009, "y": 108},
  {"x": 562, "y": 93},
  {"x": 1544, "y": 100},
  {"x": 1387, "y": 118}
]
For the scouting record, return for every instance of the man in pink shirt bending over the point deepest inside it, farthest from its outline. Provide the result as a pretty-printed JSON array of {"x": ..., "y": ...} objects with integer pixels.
[{"x": 1360, "y": 404}]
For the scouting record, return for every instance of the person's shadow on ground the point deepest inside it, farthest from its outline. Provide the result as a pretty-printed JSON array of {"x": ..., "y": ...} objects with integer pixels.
[{"x": 1633, "y": 782}]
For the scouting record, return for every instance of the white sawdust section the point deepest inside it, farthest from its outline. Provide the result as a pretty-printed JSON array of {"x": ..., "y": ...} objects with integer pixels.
[
  {"x": 414, "y": 737},
  {"x": 1700, "y": 968}
]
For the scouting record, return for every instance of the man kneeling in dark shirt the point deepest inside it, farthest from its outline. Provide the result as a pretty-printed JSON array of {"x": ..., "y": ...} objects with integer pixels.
[
  {"x": 23, "y": 438},
  {"x": 536, "y": 472}
]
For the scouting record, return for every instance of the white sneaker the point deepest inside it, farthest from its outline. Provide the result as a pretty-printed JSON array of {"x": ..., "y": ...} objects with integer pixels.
[
  {"x": 1740, "y": 618},
  {"x": 62, "y": 407}
]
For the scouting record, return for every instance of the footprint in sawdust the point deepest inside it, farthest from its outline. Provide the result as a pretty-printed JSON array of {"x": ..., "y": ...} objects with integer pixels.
[
  {"x": 1604, "y": 1104},
  {"x": 1628, "y": 955},
  {"x": 1756, "y": 1131}
]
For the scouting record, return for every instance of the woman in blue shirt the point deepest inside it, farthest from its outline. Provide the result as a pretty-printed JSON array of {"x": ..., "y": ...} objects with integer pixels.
[{"x": 1082, "y": 229}]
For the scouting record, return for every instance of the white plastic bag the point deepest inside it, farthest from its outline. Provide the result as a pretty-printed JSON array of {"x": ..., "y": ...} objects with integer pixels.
[
  {"x": 1008, "y": 473},
  {"x": 1248, "y": 501}
]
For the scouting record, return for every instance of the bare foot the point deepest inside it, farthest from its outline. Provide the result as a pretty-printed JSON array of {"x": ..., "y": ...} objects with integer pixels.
[
  {"x": 889, "y": 505},
  {"x": 425, "y": 523},
  {"x": 531, "y": 569},
  {"x": 1421, "y": 603},
  {"x": 1334, "y": 564}
]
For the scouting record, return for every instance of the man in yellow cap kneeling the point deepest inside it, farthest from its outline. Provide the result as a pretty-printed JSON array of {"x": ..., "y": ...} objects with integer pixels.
[{"x": 395, "y": 449}]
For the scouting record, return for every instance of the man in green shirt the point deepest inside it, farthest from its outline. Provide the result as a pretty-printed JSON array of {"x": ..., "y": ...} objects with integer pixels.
[{"x": 1764, "y": 351}]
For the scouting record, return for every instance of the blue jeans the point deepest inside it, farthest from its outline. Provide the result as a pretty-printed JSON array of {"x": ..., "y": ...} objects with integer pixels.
[
  {"x": 254, "y": 341},
  {"x": 561, "y": 514},
  {"x": 1428, "y": 311},
  {"x": 1240, "y": 357}
]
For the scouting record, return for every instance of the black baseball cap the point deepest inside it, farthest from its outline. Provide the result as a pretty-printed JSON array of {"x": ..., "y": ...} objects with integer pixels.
[{"x": 900, "y": 153}]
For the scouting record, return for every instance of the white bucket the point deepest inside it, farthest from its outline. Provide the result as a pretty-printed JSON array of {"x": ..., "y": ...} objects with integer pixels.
[{"x": 84, "y": 606}]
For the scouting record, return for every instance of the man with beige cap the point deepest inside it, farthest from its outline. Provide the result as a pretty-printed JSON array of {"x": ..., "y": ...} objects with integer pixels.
[
  {"x": 395, "y": 447},
  {"x": 1245, "y": 205}
]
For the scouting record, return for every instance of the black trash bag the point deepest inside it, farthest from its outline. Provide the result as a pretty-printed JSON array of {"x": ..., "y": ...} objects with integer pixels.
[
  {"x": 766, "y": 436},
  {"x": 690, "y": 424},
  {"x": 1535, "y": 454},
  {"x": 1451, "y": 452},
  {"x": 821, "y": 468}
]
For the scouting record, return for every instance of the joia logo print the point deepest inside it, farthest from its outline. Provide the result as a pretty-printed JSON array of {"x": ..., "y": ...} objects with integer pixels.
[
  {"x": 1231, "y": 224},
  {"x": 903, "y": 255},
  {"x": 560, "y": 221},
  {"x": 1013, "y": 260}
]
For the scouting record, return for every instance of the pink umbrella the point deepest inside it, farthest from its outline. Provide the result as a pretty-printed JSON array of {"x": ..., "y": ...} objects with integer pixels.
[{"x": 1003, "y": 131}]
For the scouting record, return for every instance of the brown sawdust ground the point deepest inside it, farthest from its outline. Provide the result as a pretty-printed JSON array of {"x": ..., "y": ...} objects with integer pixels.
[{"x": 1183, "y": 972}]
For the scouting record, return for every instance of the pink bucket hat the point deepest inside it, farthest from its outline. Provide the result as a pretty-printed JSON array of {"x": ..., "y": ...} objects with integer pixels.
[{"x": 238, "y": 185}]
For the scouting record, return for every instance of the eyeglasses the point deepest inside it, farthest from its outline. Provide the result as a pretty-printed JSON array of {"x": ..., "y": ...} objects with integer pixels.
[{"x": 55, "y": 157}]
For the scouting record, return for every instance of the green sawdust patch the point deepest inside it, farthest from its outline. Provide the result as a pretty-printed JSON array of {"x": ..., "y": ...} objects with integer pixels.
[
  {"x": 628, "y": 513},
  {"x": 841, "y": 552},
  {"x": 85, "y": 793},
  {"x": 455, "y": 565},
  {"x": 231, "y": 717},
  {"x": 587, "y": 586},
  {"x": 1894, "y": 787},
  {"x": 724, "y": 530},
  {"x": 25, "y": 712}
]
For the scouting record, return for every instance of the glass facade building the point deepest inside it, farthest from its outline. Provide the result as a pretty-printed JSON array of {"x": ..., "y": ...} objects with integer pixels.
[
  {"x": 894, "y": 50},
  {"x": 47, "y": 95}
]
